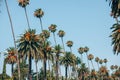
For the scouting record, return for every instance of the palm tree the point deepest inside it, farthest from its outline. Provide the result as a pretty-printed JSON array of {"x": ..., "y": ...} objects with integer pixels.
[
  {"x": 11, "y": 58},
  {"x": 13, "y": 34},
  {"x": 86, "y": 49},
  {"x": 100, "y": 61},
  {"x": 23, "y": 4},
  {"x": 67, "y": 60},
  {"x": 105, "y": 61},
  {"x": 70, "y": 44},
  {"x": 97, "y": 60},
  {"x": 39, "y": 14},
  {"x": 57, "y": 51},
  {"x": 81, "y": 51},
  {"x": 29, "y": 46},
  {"x": 61, "y": 34},
  {"x": 91, "y": 57},
  {"x": 53, "y": 29},
  {"x": 116, "y": 38}
]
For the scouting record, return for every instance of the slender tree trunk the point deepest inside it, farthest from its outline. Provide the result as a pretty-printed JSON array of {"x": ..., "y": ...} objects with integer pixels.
[
  {"x": 41, "y": 24},
  {"x": 27, "y": 18},
  {"x": 82, "y": 58},
  {"x": 57, "y": 75},
  {"x": 36, "y": 68},
  {"x": 13, "y": 39},
  {"x": 45, "y": 73},
  {"x": 98, "y": 65},
  {"x": 70, "y": 49},
  {"x": 12, "y": 66},
  {"x": 63, "y": 43},
  {"x": 54, "y": 38},
  {"x": 30, "y": 68},
  {"x": 88, "y": 61},
  {"x": 92, "y": 65},
  {"x": 66, "y": 75}
]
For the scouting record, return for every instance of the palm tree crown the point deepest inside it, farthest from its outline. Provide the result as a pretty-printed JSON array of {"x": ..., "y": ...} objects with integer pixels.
[
  {"x": 23, "y": 3},
  {"x": 38, "y": 13}
]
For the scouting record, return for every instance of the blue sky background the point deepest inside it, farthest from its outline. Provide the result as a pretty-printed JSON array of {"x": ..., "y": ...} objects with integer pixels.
[{"x": 86, "y": 23}]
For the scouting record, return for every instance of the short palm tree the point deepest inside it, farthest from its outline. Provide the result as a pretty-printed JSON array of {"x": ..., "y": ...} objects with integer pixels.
[
  {"x": 23, "y": 4},
  {"x": 53, "y": 29},
  {"x": 39, "y": 14},
  {"x": 81, "y": 51},
  {"x": 70, "y": 44},
  {"x": 67, "y": 60},
  {"x": 11, "y": 58},
  {"x": 116, "y": 38},
  {"x": 61, "y": 34},
  {"x": 29, "y": 46},
  {"x": 91, "y": 57}
]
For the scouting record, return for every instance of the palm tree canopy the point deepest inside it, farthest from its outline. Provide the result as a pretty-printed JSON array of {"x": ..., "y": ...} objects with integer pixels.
[
  {"x": 69, "y": 43},
  {"x": 105, "y": 60},
  {"x": 46, "y": 33},
  {"x": 97, "y": 59},
  {"x": 100, "y": 61},
  {"x": 90, "y": 56},
  {"x": 116, "y": 38},
  {"x": 38, "y": 13},
  {"x": 23, "y": 3},
  {"x": 61, "y": 33},
  {"x": 81, "y": 50},
  {"x": 52, "y": 28},
  {"x": 86, "y": 49},
  {"x": 29, "y": 43}
]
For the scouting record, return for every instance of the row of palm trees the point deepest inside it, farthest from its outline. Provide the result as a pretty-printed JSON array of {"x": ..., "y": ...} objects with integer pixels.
[{"x": 31, "y": 46}]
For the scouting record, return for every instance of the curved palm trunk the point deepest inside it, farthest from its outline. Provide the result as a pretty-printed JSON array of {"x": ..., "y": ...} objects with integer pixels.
[
  {"x": 27, "y": 18},
  {"x": 13, "y": 39},
  {"x": 41, "y": 24},
  {"x": 66, "y": 75},
  {"x": 30, "y": 64}
]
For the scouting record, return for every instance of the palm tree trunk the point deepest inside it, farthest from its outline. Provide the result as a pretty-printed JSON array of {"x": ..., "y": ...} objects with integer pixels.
[
  {"x": 41, "y": 24},
  {"x": 63, "y": 43},
  {"x": 66, "y": 68},
  {"x": 98, "y": 65},
  {"x": 70, "y": 49},
  {"x": 54, "y": 38},
  {"x": 12, "y": 65},
  {"x": 36, "y": 69},
  {"x": 27, "y": 18},
  {"x": 13, "y": 39},
  {"x": 88, "y": 61},
  {"x": 92, "y": 65},
  {"x": 57, "y": 75},
  {"x": 30, "y": 68},
  {"x": 45, "y": 73}
]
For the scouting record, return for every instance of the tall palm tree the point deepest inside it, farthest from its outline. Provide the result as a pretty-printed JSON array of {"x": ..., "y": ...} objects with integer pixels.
[
  {"x": 86, "y": 49},
  {"x": 97, "y": 60},
  {"x": 116, "y": 38},
  {"x": 53, "y": 29},
  {"x": 61, "y": 34},
  {"x": 11, "y": 58},
  {"x": 29, "y": 46},
  {"x": 105, "y": 61},
  {"x": 81, "y": 51},
  {"x": 67, "y": 60},
  {"x": 100, "y": 62},
  {"x": 23, "y": 4},
  {"x": 13, "y": 34},
  {"x": 57, "y": 51},
  {"x": 70, "y": 44},
  {"x": 39, "y": 14},
  {"x": 91, "y": 57}
]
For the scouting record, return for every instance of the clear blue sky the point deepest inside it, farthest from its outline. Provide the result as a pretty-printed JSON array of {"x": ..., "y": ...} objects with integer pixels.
[{"x": 86, "y": 23}]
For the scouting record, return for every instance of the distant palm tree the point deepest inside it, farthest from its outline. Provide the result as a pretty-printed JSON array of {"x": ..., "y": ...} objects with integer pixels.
[
  {"x": 11, "y": 57},
  {"x": 97, "y": 60},
  {"x": 39, "y": 14},
  {"x": 81, "y": 51},
  {"x": 105, "y": 61},
  {"x": 53, "y": 29},
  {"x": 24, "y": 3},
  {"x": 101, "y": 62},
  {"x": 57, "y": 51},
  {"x": 29, "y": 46},
  {"x": 70, "y": 44},
  {"x": 61, "y": 34},
  {"x": 115, "y": 38},
  {"x": 67, "y": 60},
  {"x": 13, "y": 34},
  {"x": 91, "y": 57}
]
